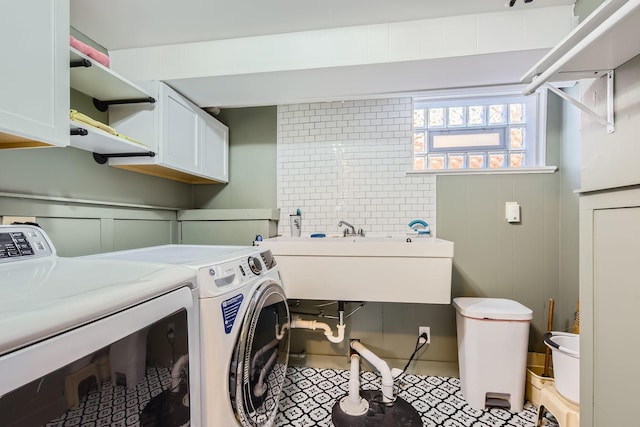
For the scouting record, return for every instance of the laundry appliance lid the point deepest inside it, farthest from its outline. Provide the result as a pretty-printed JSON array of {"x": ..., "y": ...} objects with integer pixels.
[
  {"x": 42, "y": 298},
  {"x": 188, "y": 255}
]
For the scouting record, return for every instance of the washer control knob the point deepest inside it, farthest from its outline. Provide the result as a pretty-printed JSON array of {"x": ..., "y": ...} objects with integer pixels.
[{"x": 255, "y": 265}]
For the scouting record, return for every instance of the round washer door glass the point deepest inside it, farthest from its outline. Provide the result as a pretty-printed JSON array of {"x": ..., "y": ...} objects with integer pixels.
[{"x": 259, "y": 363}]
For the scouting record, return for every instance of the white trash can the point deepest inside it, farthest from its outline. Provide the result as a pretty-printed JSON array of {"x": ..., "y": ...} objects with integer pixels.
[
  {"x": 128, "y": 359},
  {"x": 493, "y": 339}
]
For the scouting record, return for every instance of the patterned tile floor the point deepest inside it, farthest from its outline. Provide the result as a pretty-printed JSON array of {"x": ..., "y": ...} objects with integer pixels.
[
  {"x": 308, "y": 398},
  {"x": 115, "y": 406}
]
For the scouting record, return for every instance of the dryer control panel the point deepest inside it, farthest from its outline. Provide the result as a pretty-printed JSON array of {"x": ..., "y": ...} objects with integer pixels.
[
  {"x": 21, "y": 242},
  {"x": 224, "y": 277}
]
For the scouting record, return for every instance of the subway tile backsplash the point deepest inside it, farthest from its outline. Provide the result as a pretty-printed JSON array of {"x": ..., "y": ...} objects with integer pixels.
[{"x": 348, "y": 161}]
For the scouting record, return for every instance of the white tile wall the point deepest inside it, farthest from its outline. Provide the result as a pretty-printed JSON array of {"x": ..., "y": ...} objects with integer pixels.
[{"x": 348, "y": 161}]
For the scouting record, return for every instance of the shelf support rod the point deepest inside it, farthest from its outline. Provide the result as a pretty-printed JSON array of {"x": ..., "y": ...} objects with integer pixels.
[
  {"x": 103, "y": 158},
  {"x": 79, "y": 131},
  {"x": 104, "y": 105},
  {"x": 606, "y": 122},
  {"x": 81, "y": 63}
]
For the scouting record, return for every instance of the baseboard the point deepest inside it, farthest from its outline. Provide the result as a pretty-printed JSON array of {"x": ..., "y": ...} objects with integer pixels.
[{"x": 419, "y": 367}]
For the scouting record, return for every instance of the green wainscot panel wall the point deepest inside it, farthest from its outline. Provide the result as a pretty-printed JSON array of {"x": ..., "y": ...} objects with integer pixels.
[
  {"x": 73, "y": 236},
  {"x": 134, "y": 233},
  {"x": 227, "y": 226}
]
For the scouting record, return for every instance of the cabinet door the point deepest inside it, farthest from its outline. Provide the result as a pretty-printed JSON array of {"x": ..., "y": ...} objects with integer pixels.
[
  {"x": 34, "y": 88},
  {"x": 616, "y": 295},
  {"x": 214, "y": 140},
  {"x": 179, "y": 140}
]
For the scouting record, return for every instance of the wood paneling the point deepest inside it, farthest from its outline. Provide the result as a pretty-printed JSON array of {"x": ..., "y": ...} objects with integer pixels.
[
  {"x": 163, "y": 172},
  {"x": 494, "y": 258}
]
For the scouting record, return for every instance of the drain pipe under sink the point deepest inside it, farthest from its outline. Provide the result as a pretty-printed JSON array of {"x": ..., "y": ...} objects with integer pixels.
[{"x": 297, "y": 322}]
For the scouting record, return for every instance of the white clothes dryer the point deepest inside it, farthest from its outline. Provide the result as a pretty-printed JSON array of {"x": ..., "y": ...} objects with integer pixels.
[
  {"x": 244, "y": 326},
  {"x": 56, "y": 312}
]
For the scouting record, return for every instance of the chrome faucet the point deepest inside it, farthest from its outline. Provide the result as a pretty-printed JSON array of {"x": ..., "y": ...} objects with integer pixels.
[{"x": 346, "y": 232}]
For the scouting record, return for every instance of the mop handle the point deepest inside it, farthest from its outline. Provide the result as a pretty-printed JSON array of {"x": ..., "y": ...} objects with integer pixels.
[{"x": 547, "y": 354}]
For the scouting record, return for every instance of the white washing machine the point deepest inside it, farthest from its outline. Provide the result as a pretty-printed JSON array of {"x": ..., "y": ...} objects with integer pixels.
[
  {"x": 57, "y": 313},
  {"x": 244, "y": 321}
]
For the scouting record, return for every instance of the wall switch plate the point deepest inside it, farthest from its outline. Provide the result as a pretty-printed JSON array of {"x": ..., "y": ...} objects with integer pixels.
[{"x": 512, "y": 212}]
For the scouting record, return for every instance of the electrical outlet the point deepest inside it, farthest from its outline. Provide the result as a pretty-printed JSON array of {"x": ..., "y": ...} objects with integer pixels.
[{"x": 425, "y": 330}]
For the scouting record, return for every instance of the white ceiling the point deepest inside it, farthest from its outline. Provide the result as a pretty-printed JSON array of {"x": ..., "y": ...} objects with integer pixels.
[{"x": 121, "y": 24}]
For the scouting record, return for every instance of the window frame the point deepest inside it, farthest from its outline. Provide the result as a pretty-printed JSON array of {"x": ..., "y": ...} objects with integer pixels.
[
  {"x": 534, "y": 127},
  {"x": 502, "y": 131}
]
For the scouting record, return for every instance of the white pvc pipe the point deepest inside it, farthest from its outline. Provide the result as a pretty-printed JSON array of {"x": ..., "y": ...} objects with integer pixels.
[
  {"x": 354, "y": 380},
  {"x": 280, "y": 333},
  {"x": 259, "y": 353},
  {"x": 353, "y": 404},
  {"x": 297, "y": 322},
  {"x": 175, "y": 372},
  {"x": 381, "y": 366},
  {"x": 261, "y": 387}
]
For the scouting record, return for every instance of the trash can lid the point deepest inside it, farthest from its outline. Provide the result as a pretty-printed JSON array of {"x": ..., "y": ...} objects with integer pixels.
[{"x": 492, "y": 308}]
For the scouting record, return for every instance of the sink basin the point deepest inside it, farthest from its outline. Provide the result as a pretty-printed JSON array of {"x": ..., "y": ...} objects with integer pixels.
[
  {"x": 371, "y": 268},
  {"x": 386, "y": 246}
]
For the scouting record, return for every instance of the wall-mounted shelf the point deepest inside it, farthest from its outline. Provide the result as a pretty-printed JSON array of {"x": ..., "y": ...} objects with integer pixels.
[
  {"x": 99, "y": 141},
  {"x": 103, "y": 85},
  {"x": 605, "y": 40}
]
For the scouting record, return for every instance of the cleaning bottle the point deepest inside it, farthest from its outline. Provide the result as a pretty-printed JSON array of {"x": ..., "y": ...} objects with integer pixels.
[{"x": 295, "y": 221}]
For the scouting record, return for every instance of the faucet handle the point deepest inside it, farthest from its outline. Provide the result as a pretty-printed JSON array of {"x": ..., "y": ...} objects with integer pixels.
[{"x": 360, "y": 232}]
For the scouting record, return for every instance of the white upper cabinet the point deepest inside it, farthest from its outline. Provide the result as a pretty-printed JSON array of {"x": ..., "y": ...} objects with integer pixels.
[
  {"x": 191, "y": 146},
  {"x": 179, "y": 130},
  {"x": 214, "y": 137},
  {"x": 34, "y": 83}
]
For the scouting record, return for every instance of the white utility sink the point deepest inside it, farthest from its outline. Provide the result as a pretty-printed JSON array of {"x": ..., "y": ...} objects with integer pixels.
[{"x": 356, "y": 268}]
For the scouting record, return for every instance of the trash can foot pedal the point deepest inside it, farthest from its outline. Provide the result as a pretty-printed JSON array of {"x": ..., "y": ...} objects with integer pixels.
[{"x": 499, "y": 400}]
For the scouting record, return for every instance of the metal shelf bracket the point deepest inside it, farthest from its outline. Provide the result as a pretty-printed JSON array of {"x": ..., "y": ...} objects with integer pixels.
[
  {"x": 80, "y": 63},
  {"x": 607, "y": 121},
  {"x": 79, "y": 131},
  {"x": 104, "y": 105},
  {"x": 103, "y": 158}
]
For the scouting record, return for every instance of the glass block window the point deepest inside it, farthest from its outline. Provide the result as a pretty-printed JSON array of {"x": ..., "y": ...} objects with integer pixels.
[{"x": 479, "y": 132}]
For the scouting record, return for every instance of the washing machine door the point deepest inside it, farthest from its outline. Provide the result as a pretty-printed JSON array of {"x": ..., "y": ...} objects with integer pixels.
[{"x": 260, "y": 357}]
